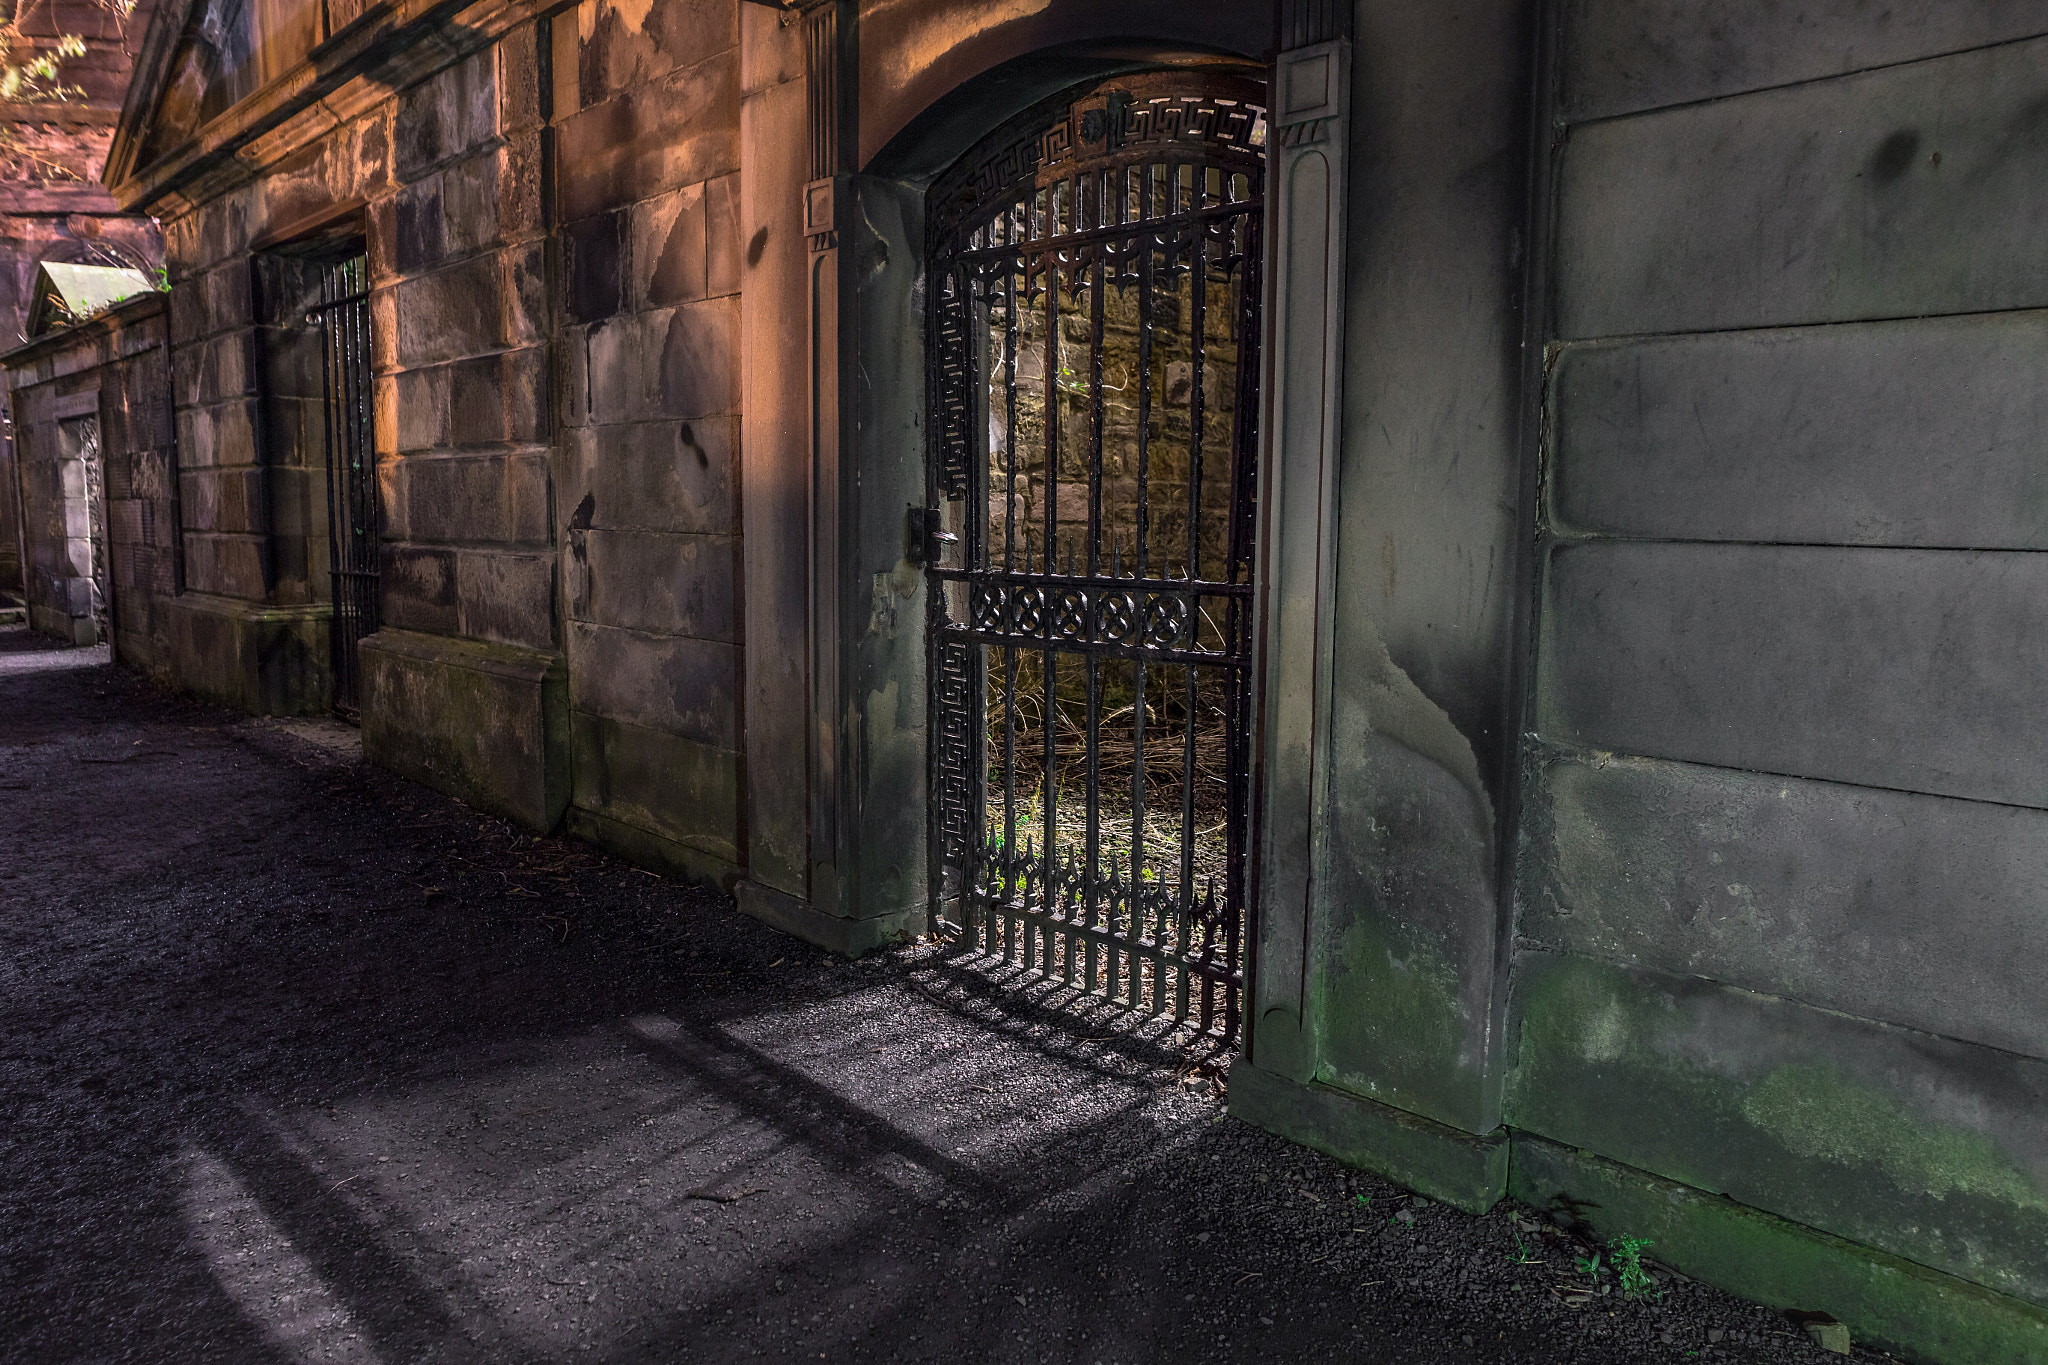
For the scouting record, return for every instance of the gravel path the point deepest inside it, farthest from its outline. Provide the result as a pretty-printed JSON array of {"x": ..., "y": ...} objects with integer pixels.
[{"x": 299, "y": 1062}]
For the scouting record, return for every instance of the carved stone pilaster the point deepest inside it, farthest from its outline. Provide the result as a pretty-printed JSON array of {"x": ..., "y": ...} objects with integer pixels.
[
  {"x": 828, "y": 127},
  {"x": 1305, "y": 199}
]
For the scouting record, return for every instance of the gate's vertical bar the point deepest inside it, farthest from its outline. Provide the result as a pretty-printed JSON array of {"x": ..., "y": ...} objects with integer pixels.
[
  {"x": 1049, "y": 721},
  {"x": 1095, "y": 216},
  {"x": 1198, "y": 296},
  {"x": 1244, "y": 498}
]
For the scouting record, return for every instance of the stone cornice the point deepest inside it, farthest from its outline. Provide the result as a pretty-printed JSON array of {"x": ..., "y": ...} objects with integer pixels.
[
  {"x": 106, "y": 323},
  {"x": 391, "y": 47}
]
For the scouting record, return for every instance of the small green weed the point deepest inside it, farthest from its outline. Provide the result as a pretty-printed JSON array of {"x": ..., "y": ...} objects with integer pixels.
[
  {"x": 1636, "y": 1282},
  {"x": 1587, "y": 1265},
  {"x": 1524, "y": 1253}
]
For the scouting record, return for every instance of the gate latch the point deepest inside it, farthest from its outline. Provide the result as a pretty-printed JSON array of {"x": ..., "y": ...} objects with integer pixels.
[{"x": 926, "y": 543}]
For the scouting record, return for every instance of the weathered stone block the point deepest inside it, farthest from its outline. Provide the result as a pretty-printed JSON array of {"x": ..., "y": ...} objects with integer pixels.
[
  {"x": 223, "y": 500},
  {"x": 206, "y": 372},
  {"x": 519, "y": 208},
  {"x": 1909, "y": 669},
  {"x": 699, "y": 366},
  {"x": 574, "y": 346},
  {"x": 1461, "y": 1169},
  {"x": 506, "y": 598},
  {"x": 1917, "y": 1313},
  {"x": 519, "y": 79},
  {"x": 421, "y": 235},
  {"x": 619, "y": 354},
  {"x": 469, "y": 201},
  {"x": 497, "y": 399},
  {"x": 218, "y": 435},
  {"x": 1622, "y": 55},
  {"x": 449, "y": 113},
  {"x": 1917, "y": 910},
  {"x": 1912, "y": 190},
  {"x": 226, "y": 565},
  {"x": 654, "y": 581},
  {"x": 477, "y": 498},
  {"x": 1915, "y": 1144},
  {"x": 675, "y": 788},
  {"x": 1922, "y": 432},
  {"x": 671, "y": 683},
  {"x": 485, "y": 723},
  {"x": 418, "y": 589},
  {"x": 485, "y": 303},
  {"x": 267, "y": 661},
  {"x": 653, "y": 476},
  {"x": 668, "y": 251},
  {"x": 725, "y": 253},
  {"x": 626, "y": 47},
  {"x": 681, "y": 131},
  {"x": 593, "y": 263},
  {"x": 420, "y": 406}
]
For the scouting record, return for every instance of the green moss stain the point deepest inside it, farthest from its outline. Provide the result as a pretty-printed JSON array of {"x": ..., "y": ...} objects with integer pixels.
[
  {"x": 1777, "y": 1106},
  {"x": 1887, "y": 1302},
  {"x": 1398, "y": 1006},
  {"x": 1820, "y": 1114}
]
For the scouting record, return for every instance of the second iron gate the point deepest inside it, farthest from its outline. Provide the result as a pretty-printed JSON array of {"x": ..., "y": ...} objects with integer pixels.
[
  {"x": 341, "y": 312},
  {"x": 1094, "y": 322}
]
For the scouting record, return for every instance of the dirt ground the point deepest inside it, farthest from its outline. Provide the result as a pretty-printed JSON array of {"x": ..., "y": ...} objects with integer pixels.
[{"x": 299, "y": 1062}]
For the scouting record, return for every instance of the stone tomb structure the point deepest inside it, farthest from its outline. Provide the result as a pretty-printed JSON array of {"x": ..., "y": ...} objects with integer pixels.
[
  {"x": 96, "y": 470},
  {"x": 52, "y": 205},
  {"x": 1642, "y": 813}
]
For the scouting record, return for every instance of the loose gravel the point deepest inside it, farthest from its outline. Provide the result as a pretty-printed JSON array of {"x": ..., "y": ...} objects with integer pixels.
[{"x": 300, "y": 1062}]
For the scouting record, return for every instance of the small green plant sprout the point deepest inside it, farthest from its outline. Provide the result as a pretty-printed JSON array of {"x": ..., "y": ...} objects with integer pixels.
[
  {"x": 1636, "y": 1282},
  {"x": 1364, "y": 1201},
  {"x": 1524, "y": 1253},
  {"x": 1588, "y": 1265}
]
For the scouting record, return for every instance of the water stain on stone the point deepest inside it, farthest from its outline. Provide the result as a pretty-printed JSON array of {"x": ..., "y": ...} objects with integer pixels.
[
  {"x": 1894, "y": 155},
  {"x": 585, "y": 510},
  {"x": 689, "y": 440}
]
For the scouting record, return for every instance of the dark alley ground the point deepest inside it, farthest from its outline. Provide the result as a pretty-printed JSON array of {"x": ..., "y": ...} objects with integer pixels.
[{"x": 299, "y": 1062}]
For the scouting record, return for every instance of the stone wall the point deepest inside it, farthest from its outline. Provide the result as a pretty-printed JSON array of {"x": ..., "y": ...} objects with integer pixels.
[
  {"x": 647, "y": 107},
  {"x": 459, "y": 266},
  {"x": 102, "y": 386},
  {"x": 52, "y": 206},
  {"x": 1788, "y": 824}
]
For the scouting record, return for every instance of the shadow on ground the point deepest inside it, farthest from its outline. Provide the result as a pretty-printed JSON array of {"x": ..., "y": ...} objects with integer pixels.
[{"x": 301, "y": 1063}]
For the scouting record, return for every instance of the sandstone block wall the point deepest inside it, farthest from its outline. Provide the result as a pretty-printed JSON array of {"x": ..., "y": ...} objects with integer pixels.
[
  {"x": 111, "y": 377},
  {"x": 459, "y": 267},
  {"x": 647, "y": 118},
  {"x": 1787, "y": 825}
]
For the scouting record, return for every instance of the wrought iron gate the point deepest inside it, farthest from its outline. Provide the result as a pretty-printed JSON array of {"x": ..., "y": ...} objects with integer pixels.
[
  {"x": 342, "y": 315},
  {"x": 1094, "y": 295}
]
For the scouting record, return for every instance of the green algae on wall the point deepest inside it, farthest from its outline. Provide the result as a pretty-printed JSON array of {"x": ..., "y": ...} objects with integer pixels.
[
  {"x": 1921, "y": 1146},
  {"x": 1398, "y": 1007},
  {"x": 1823, "y": 1115}
]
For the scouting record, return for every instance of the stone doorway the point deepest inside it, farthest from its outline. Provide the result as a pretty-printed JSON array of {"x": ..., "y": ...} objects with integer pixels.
[{"x": 1094, "y": 324}]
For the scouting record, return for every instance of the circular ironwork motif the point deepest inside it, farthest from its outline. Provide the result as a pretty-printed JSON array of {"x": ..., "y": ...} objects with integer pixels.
[
  {"x": 1030, "y": 609},
  {"x": 1070, "y": 614},
  {"x": 1165, "y": 619},
  {"x": 986, "y": 606},
  {"x": 1116, "y": 617}
]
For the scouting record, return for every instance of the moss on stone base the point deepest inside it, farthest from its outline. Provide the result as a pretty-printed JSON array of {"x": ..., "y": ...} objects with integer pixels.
[
  {"x": 1906, "y": 1308},
  {"x": 1464, "y": 1170}
]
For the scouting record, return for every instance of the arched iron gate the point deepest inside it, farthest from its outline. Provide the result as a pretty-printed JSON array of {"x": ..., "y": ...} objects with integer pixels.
[{"x": 1094, "y": 297}]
